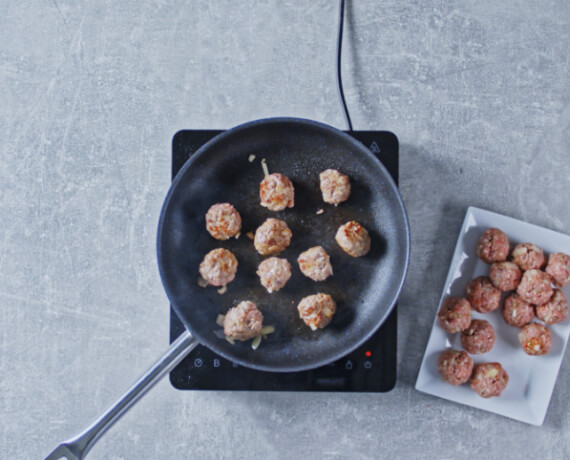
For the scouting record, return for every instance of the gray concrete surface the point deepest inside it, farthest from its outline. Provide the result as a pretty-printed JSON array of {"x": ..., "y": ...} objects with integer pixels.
[{"x": 91, "y": 93}]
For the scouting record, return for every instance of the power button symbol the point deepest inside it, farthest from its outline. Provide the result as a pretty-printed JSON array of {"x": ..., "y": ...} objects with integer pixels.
[{"x": 198, "y": 362}]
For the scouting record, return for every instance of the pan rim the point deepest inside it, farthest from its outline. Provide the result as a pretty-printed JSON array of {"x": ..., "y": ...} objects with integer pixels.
[{"x": 361, "y": 149}]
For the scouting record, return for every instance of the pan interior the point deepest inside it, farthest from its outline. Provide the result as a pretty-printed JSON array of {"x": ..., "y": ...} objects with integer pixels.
[{"x": 365, "y": 289}]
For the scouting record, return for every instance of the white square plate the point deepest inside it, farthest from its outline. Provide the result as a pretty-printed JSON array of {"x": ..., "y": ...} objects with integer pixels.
[{"x": 531, "y": 378}]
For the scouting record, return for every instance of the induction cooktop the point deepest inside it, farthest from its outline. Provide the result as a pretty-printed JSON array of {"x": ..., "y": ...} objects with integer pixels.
[{"x": 370, "y": 368}]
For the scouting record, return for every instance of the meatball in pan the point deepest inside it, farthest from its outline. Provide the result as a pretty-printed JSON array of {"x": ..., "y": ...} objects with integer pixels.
[
  {"x": 315, "y": 264},
  {"x": 223, "y": 221},
  {"x": 274, "y": 273},
  {"x": 243, "y": 322},
  {"x": 276, "y": 192},
  {"x": 219, "y": 267},
  {"x": 353, "y": 238},
  {"x": 335, "y": 186},
  {"x": 317, "y": 310},
  {"x": 272, "y": 237}
]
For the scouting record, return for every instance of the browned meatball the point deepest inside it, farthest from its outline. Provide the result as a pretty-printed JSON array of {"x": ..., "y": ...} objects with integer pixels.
[
  {"x": 489, "y": 379},
  {"x": 535, "y": 339},
  {"x": 516, "y": 311},
  {"x": 555, "y": 310},
  {"x": 353, "y": 238},
  {"x": 223, "y": 221},
  {"x": 272, "y": 237},
  {"x": 482, "y": 295},
  {"x": 559, "y": 268},
  {"x": 535, "y": 287},
  {"x": 505, "y": 275},
  {"x": 274, "y": 273},
  {"x": 455, "y": 366},
  {"x": 479, "y": 337},
  {"x": 528, "y": 256},
  {"x": 455, "y": 314},
  {"x": 317, "y": 310},
  {"x": 243, "y": 321},
  {"x": 219, "y": 267},
  {"x": 276, "y": 192},
  {"x": 493, "y": 246},
  {"x": 335, "y": 186},
  {"x": 315, "y": 264}
]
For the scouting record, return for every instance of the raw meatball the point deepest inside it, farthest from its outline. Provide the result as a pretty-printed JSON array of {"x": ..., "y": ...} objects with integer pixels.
[
  {"x": 555, "y": 310},
  {"x": 243, "y": 321},
  {"x": 489, "y": 379},
  {"x": 505, "y": 275},
  {"x": 528, "y": 256},
  {"x": 559, "y": 268},
  {"x": 219, "y": 267},
  {"x": 353, "y": 238},
  {"x": 535, "y": 287},
  {"x": 493, "y": 246},
  {"x": 223, "y": 221},
  {"x": 272, "y": 237},
  {"x": 276, "y": 192},
  {"x": 335, "y": 186},
  {"x": 535, "y": 339},
  {"x": 516, "y": 311},
  {"x": 479, "y": 337},
  {"x": 315, "y": 264},
  {"x": 455, "y": 366},
  {"x": 455, "y": 314},
  {"x": 317, "y": 310},
  {"x": 274, "y": 273},
  {"x": 482, "y": 295}
]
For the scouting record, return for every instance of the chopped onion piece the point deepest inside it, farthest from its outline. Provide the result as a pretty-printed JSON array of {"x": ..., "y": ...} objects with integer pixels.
[
  {"x": 264, "y": 166},
  {"x": 202, "y": 282},
  {"x": 256, "y": 342},
  {"x": 229, "y": 339},
  {"x": 223, "y": 289},
  {"x": 250, "y": 235},
  {"x": 251, "y": 158},
  {"x": 220, "y": 320},
  {"x": 237, "y": 236},
  {"x": 219, "y": 333},
  {"x": 267, "y": 330},
  {"x": 320, "y": 211}
]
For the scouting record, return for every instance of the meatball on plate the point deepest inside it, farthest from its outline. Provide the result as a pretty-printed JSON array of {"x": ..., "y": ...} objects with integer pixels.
[{"x": 517, "y": 346}]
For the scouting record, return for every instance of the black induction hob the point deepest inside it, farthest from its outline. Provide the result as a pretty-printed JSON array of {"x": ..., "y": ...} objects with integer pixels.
[{"x": 370, "y": 368}]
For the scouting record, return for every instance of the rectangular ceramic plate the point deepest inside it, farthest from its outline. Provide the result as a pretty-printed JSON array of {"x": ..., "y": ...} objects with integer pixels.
[{"x": 531, "y": 378}]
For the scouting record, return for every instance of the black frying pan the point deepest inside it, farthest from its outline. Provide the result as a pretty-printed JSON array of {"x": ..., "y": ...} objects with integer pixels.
[{"x": 364, "y": 288}]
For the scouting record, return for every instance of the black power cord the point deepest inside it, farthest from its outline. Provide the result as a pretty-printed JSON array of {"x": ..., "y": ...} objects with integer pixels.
[{"x": 338, "y": 66}]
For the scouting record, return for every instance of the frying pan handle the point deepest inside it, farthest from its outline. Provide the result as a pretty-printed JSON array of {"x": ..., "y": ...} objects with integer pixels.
[{"x": 79, "y": 445}]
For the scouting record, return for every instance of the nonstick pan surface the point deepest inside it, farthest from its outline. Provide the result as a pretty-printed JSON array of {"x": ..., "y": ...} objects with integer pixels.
[{"x": 365, "y": 289}]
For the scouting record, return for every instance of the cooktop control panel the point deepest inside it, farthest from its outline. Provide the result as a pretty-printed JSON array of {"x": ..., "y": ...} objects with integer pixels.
[{"x": 370, "y": 368}]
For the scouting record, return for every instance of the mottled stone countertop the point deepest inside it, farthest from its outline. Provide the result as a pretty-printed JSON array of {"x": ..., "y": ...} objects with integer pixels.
[{"x": 91, "y": 94}]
